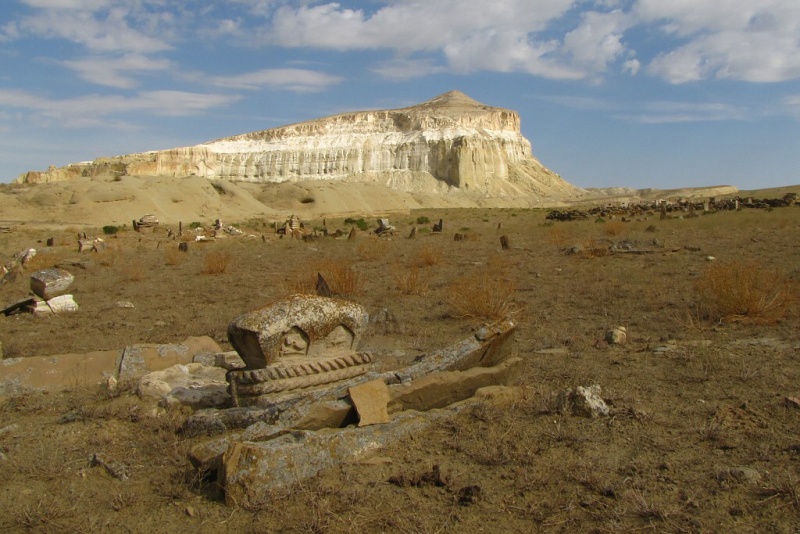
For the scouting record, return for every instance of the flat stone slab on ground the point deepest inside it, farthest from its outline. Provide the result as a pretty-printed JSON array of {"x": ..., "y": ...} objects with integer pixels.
[
  {"x": 139, "y": 360},
  {"x": 56, "y": 373}
]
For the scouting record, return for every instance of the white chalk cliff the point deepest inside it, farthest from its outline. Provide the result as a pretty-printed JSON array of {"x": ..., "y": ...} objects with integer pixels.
[{"x": 450, "y": 143}]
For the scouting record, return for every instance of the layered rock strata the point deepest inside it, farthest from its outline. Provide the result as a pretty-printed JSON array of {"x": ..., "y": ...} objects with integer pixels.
[{"x": 448, "y": 142}]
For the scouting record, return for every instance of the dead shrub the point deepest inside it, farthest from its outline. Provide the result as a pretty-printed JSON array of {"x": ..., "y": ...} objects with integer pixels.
[
  {"x": 174, "y": 256},
  {"x": 476, "y": 296},
  {"x": 340, "y": 275},
  {"x": 412, "y": 281},
  {"x": 614, "y": 228},
  {"x": 426, "y": 256},
  {"x": 216, "y": 262},
  {"x": 742, "y": 291},
  {"x": 135, "y": 273}
]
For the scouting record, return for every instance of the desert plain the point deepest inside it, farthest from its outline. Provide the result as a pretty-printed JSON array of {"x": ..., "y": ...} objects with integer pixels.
[{"x": 702, "y": 433}]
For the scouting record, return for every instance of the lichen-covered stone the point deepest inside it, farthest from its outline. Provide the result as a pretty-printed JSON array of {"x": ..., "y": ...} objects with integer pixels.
[{"x": 298, "y": 327}]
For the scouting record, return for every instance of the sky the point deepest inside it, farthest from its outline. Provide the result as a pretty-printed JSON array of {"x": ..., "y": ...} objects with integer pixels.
[{"x": 629, "y": 93}]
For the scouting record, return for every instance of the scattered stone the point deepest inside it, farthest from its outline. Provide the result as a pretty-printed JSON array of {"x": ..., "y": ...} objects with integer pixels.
[
  {"x": 117, "y": 470},
  {"x": 49, "y": 283},
  {"x": 125, "y": 304},
  {"x": 183, "y": 246},
  {"x": 23, "y": 257},
  {"x": 56, "y": 305},
  {"x": 504, "y": 242},
  {"x": 413, "y": 232},
  {"x": 469, "y": 495},
  {"x": 192, "y": 384},
  {"x": 228, "y": 360},
  {"x": 739, "y": 474},
  {"x": 792, "y": 402},
  {"x": 371, "y": 400},
  {"x": 710, "y": 258},
  {"x": 583, "y": 402},
  {"x": 617, "y": 336},
  {"x": 438, "y": 227},
  {"x": 139, "y": 360}
]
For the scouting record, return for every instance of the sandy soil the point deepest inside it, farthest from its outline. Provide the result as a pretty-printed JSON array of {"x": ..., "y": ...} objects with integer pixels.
[{"x": 700, "y": 438}]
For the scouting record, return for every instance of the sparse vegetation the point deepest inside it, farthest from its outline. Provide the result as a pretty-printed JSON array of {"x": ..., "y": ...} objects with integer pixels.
[
  {"x": 690, "y": 385},
  {"x": 216, "y": 262}
]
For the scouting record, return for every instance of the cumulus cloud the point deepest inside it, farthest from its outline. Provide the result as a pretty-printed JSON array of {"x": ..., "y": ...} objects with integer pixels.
[
  {"x": 726, "y": 39},
  {"x": 300, "y": 80}
]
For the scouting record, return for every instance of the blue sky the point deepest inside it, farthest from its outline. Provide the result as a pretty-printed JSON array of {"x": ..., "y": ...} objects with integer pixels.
[{"x": 634, "y": 93}]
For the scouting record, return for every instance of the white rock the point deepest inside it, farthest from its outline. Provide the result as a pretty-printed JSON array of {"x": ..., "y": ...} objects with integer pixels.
[{"x": 191, "y": 384}]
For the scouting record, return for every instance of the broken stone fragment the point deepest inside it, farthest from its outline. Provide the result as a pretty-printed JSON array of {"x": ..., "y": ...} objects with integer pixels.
[
  {"x": 60, "y": 304},
  {"x": 617, "y": 336},
  {"x": 370, "y": 400},
  {"x": 192, "y": 384},
  {"x": 49, "y": 283},
  {"x": 583, "y": 402}
]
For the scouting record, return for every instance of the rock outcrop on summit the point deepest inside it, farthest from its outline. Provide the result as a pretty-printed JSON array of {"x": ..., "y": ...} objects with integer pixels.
[{"x": 450, "y": 143}]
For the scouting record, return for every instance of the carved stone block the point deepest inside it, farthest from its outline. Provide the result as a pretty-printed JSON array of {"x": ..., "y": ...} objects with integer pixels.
[{"x": 298, "y": 342}]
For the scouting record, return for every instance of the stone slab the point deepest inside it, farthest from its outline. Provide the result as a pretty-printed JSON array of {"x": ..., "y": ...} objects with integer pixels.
[
  {"x": 56, "y": 373},
  {"x": 138, "y": 360},
  {"x": 371, "y": 399}
]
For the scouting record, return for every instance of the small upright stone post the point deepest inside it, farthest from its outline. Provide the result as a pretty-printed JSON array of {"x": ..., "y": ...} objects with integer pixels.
[{"x": 504, "y": 242}]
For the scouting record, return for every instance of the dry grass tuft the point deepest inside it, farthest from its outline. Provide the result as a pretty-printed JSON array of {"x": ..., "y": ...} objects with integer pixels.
[
  {"x": 216, "y": 262},
  {"x": 339, "y": 273},
  {"x": 614, "y": 228},
  {"x": 743, "y": 291},
  {"x": 426, "y": 256},
  {"x": 135, "y": 273},
  {"x": 483, "y": 295},
  {"x": 173, "y": 256},
  {"x": 412, "y": 281}
]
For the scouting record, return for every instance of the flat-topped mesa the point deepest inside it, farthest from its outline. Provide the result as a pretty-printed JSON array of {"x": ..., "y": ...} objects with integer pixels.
[{"x": 451, "y": 141}]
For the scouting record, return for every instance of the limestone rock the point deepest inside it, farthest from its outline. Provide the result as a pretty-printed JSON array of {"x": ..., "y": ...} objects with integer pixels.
[
  {"x": 49, "y": 283},
  {"x": 138, "y": 360},
  {"x": 617, "y": 336},
  {"x": 298, "y": 326},
  {"x": 191, "y": 384},
  {"x": 583, "y": 402},
  {"x": 59, "y": 304},
  {"x": 451, "y": 141}
]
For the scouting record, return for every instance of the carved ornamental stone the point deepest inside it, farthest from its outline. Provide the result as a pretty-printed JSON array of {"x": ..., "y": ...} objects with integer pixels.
[{"x": 298, "y": 342}]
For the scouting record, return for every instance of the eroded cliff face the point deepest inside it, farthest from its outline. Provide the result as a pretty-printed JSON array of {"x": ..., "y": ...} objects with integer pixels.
[{"x": 450, "y": 142}]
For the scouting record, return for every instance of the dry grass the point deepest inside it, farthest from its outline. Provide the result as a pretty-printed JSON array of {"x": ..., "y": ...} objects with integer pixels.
[
  {"x": 216, "y": 262},
  {"x": 426, "y": 256},
  {"x": 372, "y": 249},
  {"x": 614, "y": 228},
  {"x": 339, "y": 273},
  {"x": 135, "y": 273},
  {"x": 412, "y": 281},
  {"x": 483, "y": 295},
  {"x": 743, "y": 291},
  {"x": 173, "y": 256}
]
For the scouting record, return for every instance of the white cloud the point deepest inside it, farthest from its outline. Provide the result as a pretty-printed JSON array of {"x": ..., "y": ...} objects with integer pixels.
[
  {"x": 676, "y": 112},
  {"x": 88, "y": 109},
  {"x": 116, "y": 71},
  {"x": 726, "y": 39},
  {"x": 597, "y": 41},
  {"x": 632, "y": 66},
  {"x": 300, "y": 80},
  {"x": 407, "y": 69}
]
